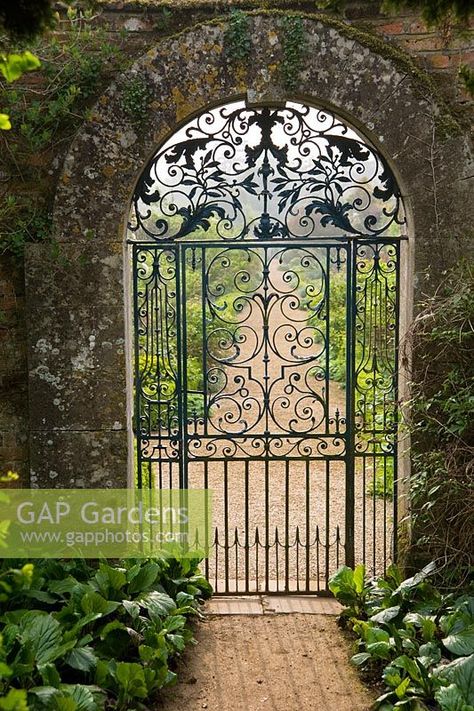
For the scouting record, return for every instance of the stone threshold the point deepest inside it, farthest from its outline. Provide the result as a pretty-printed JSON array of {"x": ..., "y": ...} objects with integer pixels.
[{"x": 272, "y": 605}]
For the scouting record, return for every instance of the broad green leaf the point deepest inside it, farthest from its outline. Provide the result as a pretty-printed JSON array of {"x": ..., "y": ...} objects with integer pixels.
[
  {"x": 429, "y": 654},
  {"x": 401, "y": 689},
  {"x": 40, "y": 595},
  {"x": 342, "y": 581},
  {"x": 82, "y": 695},
  {"x": 93, "y": 602},
  {"x": 110, "y": 627},
  {"x": 157, "y": 603},
  {"x": 450, "y": 698},
  {"x": 66, "y": 585},
  {"x": 45, "y": 694},
  {"x": 43, "y": 635},
  {"x": 413, "y": 582},
  {"x": 174, "y": 622},
  {"x": 15, "y": 700},
  {"x": 144, "y": 578},
  {"x": 64, "y": 703},
  {"x": 12, "y": 66},
  {"x": 461, "y": 643},
  {"x": 177, "y": 641},
  {"x": 50, "y": 675},
  {"x": 130, "y": 677},
  {"x": 461, "y": 673},
  {"x": 360, "y": 658},
  {"x": 132, "y": 607},
  {"x": 359, "y": 578},
  {"x": 5, "y": 671},
  {"x": 386, "y": 615},
  {"x": 381, "y": 650},
  {"x": 409, "y": 665},
  {"x": 82, "y": 659},
  {"x": 109, "y": 580}
]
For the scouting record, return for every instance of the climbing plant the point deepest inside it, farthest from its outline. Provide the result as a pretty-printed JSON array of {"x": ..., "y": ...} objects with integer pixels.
[
  {"x": 237, "y": 36},
  {"x": 294, "y": 49}
]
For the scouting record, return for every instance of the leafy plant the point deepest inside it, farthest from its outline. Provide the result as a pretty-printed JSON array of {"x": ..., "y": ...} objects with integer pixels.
[
  {"x": 420, "y": 642},
  {"x": 441, "y": 424},
  {"x": 135, "y": 99},
  {"x": 76, "y": 636},
  {"x": 237, "y": 37},
  {"x": 294, "y": 49},
  {"x": 12, "y": 67}
]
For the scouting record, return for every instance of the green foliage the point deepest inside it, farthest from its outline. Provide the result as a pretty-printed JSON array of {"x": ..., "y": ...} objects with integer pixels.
[
  {"x": 99, "y": 636},
  {"x": 349, "y": 587},
  {"x": 294, "y": 49},
  {"x": 135, "y": 100},
  {"x": 12, "y": 67},
  {"x": 237, "y": 37},
  {"x": 21, "y": 223},
  {"x": 419, "y": 641},
  {"x": 433, "y": 11},
  {"x": 467, "y": 75},
  {"x": 381, "y": 481},
  {"x": 371, "y": 385},
  {"x": 442, "y": 427},
  {"x": 75, "y": 67}
]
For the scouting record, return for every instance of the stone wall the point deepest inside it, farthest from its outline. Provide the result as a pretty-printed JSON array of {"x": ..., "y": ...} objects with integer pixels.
[{"x": 76, "y": 336}]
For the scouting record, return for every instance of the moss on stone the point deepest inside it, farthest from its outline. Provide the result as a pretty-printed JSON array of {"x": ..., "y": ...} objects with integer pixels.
[{"x": 423, "y": 83}]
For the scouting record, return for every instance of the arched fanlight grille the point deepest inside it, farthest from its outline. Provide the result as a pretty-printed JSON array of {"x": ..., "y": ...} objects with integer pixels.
[{"x": 236, "y": 173}]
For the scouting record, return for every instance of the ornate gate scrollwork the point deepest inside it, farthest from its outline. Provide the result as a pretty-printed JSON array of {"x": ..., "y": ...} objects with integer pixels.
[{"x": 265, "y": 248}]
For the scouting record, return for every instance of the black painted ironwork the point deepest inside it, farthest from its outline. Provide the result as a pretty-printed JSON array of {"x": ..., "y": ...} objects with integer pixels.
[{"x": 265, "y": 250}]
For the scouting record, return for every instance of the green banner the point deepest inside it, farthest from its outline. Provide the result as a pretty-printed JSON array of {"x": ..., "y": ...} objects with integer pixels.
[{"x": 109, "y": 523}]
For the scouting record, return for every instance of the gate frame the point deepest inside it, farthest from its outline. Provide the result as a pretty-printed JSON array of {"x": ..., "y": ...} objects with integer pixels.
[{"x": 405, "y": 269}]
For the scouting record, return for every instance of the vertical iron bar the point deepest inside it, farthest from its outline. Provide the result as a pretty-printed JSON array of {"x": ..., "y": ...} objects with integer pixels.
[
  {"x": 136, "y": 324},
  {"x": 307, "y": 524},
  {"x": 287, "y": 525},
  {"x": 206, "y": 520},
  {"x": 204, "y": 337},
  {"x": 226, "y": 524},
  {"x": 328, "y": 521},
  {"x": 267, "y": 525},
  {"x": 246, "y": 533},
  {"x": 350, "y": 395},
  {"x": 396, "y": 403}
]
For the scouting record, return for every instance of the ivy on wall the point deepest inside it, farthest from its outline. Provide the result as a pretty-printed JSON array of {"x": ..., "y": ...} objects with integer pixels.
[
  {"x": 294, "y": 49},
  {"x": 237, "y": 37}
]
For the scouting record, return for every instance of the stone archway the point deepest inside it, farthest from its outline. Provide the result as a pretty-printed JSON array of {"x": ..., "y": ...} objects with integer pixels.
[{"x": 76, "y": 324}]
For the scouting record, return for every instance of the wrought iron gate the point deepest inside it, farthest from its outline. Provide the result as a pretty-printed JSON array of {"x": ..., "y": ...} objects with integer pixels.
[{"x": 266, "y": 341}]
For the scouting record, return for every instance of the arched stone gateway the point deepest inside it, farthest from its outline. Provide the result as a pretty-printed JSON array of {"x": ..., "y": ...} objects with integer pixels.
[{"x": 371, "y": 118}]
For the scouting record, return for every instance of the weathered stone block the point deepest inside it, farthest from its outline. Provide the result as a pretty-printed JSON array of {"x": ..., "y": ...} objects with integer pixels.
[
  {"x": 77, "y": 368},
  {"x": 69, "y": 460}
]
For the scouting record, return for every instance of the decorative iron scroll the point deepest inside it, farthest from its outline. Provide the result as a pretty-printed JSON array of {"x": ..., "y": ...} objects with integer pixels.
[
  {"x": 236, "y": 173},
  {"x": 376, "y": 308},
  {"x": 266, "y": 340}
]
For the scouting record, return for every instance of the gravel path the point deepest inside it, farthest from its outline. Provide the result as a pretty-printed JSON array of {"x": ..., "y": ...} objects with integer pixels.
[{"x": 258, "y": 663}]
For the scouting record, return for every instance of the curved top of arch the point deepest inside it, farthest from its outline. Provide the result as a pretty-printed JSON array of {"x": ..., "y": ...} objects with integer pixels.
[{"x": 236, "y": 172}]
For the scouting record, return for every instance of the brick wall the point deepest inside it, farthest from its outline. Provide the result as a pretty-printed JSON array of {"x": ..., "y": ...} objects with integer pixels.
[{"x": 13, "y": 371}]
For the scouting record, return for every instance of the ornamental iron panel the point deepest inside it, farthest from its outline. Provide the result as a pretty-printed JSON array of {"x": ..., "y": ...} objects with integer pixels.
[{"x": 265, "y": 253}]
